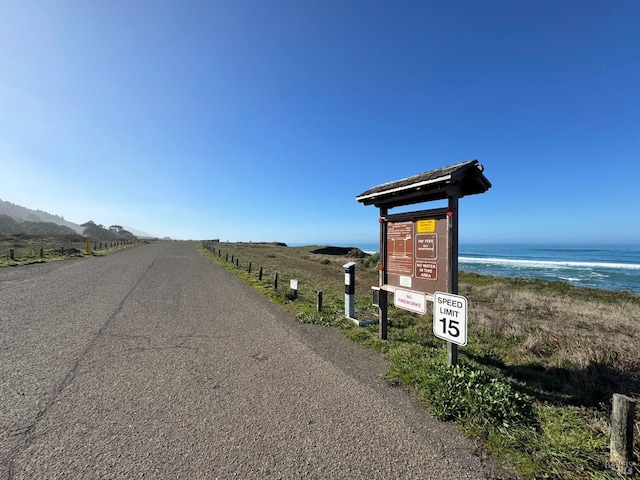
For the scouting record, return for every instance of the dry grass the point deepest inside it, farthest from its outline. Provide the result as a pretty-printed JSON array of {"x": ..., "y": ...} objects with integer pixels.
[
  {"x": 566, "y": 346},
  {"x": 562, "y": 331}
]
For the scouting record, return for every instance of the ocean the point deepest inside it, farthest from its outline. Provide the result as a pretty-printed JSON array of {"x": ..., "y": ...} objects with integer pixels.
[{"x": 609, "y": 267}]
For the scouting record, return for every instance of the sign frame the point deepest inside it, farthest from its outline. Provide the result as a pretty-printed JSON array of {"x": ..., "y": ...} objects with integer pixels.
[{"x": 425, "y": 265}]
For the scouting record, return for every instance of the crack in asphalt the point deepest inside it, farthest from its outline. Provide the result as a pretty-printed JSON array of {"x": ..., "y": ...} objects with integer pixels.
[{"x": 29, "y": 430}]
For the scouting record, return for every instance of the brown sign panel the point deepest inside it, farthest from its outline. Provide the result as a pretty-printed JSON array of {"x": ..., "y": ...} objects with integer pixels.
[
  {"x": 417, "y": 251},
  {"x": 400, "y": 248}
]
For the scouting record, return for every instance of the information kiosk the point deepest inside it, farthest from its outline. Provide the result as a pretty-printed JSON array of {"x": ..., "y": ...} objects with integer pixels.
[{"x": 419, "y": 250}]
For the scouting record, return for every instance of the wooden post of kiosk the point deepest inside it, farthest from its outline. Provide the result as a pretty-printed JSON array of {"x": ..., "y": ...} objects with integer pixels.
[
  {"x": 452, "y": 281},
  {"x": 382, "y": 277},
  {"x": 427, "y": 262}
]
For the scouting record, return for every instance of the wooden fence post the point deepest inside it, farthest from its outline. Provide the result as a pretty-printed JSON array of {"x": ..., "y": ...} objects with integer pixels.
[{"x": 622, "y": 418}]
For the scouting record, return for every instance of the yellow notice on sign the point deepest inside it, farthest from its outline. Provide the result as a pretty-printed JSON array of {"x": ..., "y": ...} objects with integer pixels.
[{"x": 426, "y": 226}]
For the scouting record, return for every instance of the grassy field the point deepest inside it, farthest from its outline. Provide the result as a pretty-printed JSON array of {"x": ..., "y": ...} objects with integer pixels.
[
  {"x": 26, "y": 248},
  {"x": 535, "y": 381}
]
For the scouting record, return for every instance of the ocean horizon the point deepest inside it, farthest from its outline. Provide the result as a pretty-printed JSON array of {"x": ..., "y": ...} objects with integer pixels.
[{"x": 608, "y": 267}]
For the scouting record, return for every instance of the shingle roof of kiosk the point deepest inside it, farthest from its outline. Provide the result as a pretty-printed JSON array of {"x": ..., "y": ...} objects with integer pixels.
[{"x": 461, "y": 179}]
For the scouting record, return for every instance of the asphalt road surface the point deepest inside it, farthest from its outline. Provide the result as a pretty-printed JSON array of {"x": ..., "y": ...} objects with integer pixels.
[{"x": 154, "y": 362}]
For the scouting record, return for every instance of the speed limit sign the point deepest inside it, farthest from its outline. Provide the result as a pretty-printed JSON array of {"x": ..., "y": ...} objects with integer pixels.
[{"x": 450, "y": 317}]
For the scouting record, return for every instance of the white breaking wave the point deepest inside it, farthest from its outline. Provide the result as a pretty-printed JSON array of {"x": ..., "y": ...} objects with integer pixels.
[{"x": 547, "y": 263}]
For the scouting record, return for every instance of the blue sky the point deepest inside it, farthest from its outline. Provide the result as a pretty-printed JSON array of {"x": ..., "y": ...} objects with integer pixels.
[{"x": 251, "y": 120}]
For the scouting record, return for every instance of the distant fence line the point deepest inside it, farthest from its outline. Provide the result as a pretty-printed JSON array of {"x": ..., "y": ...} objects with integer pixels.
[
  {"x": 89, "y": 246},
  {"x": 210, "y": 246},
  {"x": 262, "y": 273}
]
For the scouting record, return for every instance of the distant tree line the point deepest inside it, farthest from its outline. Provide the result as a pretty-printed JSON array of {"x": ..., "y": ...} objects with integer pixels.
[{"x": 115, "y": 232}]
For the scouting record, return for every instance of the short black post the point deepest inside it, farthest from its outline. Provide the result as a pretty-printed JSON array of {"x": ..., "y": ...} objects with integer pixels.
[
  {"x": 12, "y": 254},
  {"x": 41, "y": 253},
  {"x": 260, "y": 274},
  {"x": 275, "y": 281},
  {"x": 237, "y": 262},
  {"x": 226, "y": 259},
  {"x": 319, "y": 302},
  {"x": 249, "y": 270},
  {"x": 350, "y": 289}
]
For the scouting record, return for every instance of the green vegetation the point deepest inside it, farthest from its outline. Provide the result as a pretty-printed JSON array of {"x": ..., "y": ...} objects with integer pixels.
[
  {"x": 534, "y": 382},
  {"x": 26, "y": 248}
]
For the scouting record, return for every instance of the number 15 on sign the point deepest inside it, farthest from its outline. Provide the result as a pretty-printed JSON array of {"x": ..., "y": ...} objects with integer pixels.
[{"x": 450, "y": 317}]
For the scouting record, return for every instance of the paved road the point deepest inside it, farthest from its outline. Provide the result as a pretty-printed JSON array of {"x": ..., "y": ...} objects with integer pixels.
[{"x": 154, "y": 362}]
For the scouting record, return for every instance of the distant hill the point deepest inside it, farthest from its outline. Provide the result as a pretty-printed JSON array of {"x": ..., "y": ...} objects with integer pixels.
[
  {"x": 10, "y": 225},
  {"x": 140, "y": 233},
  {"x": 17, "y": 219},
  {"x": 22, "y": 214}
]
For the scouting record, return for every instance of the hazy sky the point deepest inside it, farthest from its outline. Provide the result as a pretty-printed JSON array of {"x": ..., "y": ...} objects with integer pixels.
[{"x": 256, "y": 120}]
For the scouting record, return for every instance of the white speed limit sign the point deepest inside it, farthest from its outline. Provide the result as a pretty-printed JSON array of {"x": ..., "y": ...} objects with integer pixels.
[{"x": 450, "y": 317}]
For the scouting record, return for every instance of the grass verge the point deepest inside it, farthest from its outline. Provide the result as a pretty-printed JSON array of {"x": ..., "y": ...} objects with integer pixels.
[{"x": 55, "y": 248}]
